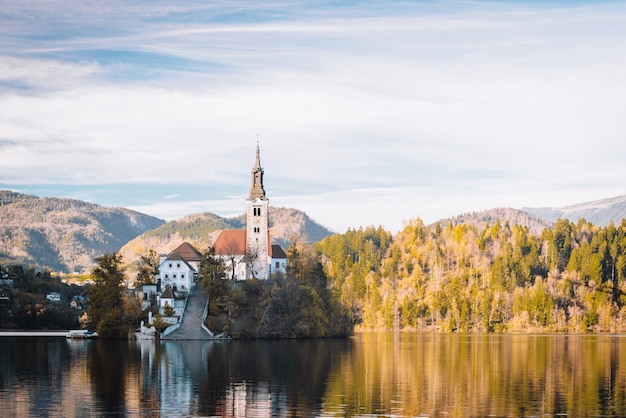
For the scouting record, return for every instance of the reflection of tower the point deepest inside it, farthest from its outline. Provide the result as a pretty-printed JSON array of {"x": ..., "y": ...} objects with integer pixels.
[{"x": 257, "y": 224}]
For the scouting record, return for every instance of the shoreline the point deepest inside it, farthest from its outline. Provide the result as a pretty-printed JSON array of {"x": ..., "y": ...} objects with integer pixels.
[{"x": 55, "y": 333}]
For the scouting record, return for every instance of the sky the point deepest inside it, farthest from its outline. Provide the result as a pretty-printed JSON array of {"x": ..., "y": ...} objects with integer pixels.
[{"x": 366, "y": 112}]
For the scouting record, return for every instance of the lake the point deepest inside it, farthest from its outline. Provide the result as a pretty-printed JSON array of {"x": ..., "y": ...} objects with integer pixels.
[{"x": 372, "y": 374}]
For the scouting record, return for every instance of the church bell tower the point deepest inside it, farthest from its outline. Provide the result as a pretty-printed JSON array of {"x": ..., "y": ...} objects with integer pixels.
[{"x": 257, "y": 224}]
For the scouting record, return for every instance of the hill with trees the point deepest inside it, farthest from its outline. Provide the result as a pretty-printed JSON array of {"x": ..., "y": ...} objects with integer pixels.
[
  {"x": 64, "y": 234},
  {"x": 535, "y": 224},
  {"x": 495, "y": 277}
]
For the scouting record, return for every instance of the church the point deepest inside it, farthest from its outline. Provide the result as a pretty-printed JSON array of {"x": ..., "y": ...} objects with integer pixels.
[{"x": 249, "y": 253}]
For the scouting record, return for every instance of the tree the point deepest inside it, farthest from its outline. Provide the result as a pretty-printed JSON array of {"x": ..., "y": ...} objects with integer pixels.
[
  {"x": 251, "y": 257},
  {"x": 213, "y": 281},
  {"x": 148, "y": 268},
  {"x": 107, "y": 309},
  {"x": 232, "y": 253},
  {"x": 158, "y": 322},
  {"x": 168, "y": 310}
]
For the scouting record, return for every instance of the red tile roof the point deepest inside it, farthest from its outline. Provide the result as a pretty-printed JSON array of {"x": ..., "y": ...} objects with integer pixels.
[
  {"x": 233, "y": 241},
  {"x": 230, "y": 241}
]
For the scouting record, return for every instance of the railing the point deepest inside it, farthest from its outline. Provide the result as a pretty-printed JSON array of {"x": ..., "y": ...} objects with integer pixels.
[{"x": 205, "y": 314}]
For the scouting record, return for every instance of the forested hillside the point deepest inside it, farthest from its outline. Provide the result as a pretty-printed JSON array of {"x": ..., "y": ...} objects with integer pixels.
[
  {"x": 495, "y": 277},
  {"x": 511, "y": 216},
  {"x": 64, "y": 234}
]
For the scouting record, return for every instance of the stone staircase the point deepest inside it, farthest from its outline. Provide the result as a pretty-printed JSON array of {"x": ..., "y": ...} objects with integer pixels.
[{"x": 191, "y": 325}]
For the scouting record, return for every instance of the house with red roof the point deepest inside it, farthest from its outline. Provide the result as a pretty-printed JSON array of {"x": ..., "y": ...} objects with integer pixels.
[{"x": 179, "y": 269}]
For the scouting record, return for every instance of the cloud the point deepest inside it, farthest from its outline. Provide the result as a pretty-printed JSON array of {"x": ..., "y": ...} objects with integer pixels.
[{"x": 447, "y": 106}]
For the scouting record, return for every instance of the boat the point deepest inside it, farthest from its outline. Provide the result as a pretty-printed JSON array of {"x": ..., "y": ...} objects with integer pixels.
[{"x": 81, "y": 334}]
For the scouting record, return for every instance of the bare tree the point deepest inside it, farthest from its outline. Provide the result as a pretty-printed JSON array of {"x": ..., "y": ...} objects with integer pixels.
[
  {"x": 251, "y": 258},
  {"x": 232, "y": 253}
]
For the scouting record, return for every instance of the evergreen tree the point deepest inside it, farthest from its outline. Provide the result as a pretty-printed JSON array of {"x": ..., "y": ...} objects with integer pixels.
[
  {"x": 214, "y": 282},
  {"x": 107, "y": 309}
]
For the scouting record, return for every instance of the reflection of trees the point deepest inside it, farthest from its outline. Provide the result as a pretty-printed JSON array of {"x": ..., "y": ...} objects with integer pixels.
[
  {"x": 479, "y": 375},
  {"x": 38, "y": 377},
  {"x": 108, "y": 367},
  {"x": 293, "y": 375}
]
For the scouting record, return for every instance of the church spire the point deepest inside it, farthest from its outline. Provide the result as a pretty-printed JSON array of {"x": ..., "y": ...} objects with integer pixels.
[{"x": 256, "y": 190}]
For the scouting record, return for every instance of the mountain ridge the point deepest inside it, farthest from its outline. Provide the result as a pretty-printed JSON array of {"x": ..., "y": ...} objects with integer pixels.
[
  {"x": 599, "y": 212},
  {"x": 66, "y": 234}
]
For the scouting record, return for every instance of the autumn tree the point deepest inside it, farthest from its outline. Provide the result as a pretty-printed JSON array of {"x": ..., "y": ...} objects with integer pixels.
[{"x": 148, "y": 268}]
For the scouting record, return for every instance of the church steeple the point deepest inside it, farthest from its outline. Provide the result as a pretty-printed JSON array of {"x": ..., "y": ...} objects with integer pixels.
[
  {"x": 256, "y": 190},
  {"x": 258, "y": 246}
]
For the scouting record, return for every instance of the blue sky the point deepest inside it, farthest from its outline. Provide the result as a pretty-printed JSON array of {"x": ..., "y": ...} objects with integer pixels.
[{"x": 367, "y": 113}]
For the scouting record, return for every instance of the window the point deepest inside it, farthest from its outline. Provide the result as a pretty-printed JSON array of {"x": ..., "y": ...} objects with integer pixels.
[
  {"x": 278, "y": 264},
  {"x": 174, "y": 276},
  {"x": 170, "y": 265},
  {"x": 178, "y": 265},
  {"x": 167, "y": 276}
]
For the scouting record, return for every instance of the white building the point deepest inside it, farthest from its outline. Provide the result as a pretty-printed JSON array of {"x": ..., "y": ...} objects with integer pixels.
[
  {"x": 179, "y": 268},
  {"x": 249, "y": 253}
]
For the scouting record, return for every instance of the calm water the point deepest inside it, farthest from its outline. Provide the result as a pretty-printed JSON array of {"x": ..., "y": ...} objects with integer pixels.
[{"x": 368, "y": 375}]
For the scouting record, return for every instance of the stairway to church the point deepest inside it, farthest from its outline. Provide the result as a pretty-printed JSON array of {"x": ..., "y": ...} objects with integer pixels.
[{"x": 191, "y": 326}]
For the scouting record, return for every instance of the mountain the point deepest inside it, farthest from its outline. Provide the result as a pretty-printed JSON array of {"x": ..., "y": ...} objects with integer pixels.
[
  {"x": 598, "y": 212},
  {"x": 201, "y": 230},
  {"x": 535, "y": 224},
  {"x": 64, "y": 234}
]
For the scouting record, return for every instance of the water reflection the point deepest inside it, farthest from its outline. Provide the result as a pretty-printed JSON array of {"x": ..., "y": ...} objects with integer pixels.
[
  {"x": 259, "y": 378},
  {"x": 371, "y": 374},
  {"x": 480, "y": 375}
]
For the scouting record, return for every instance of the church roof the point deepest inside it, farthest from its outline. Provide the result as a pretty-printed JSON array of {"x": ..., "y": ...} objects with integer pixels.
[
  {"x": 231, "y": 241},
  {"x": 257, "y": 191},
  {"x": 278, "y": 252},
  {"x": 187, "y": 252}
]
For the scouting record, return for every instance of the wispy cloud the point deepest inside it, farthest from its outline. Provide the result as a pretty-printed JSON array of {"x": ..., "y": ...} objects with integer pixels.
[{"x": 437, "y": 107}]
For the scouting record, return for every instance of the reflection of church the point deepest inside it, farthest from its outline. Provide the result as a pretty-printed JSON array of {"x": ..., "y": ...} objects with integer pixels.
[{"x": 250, "y": 252}]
